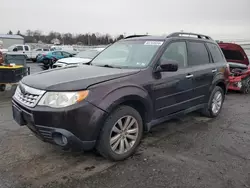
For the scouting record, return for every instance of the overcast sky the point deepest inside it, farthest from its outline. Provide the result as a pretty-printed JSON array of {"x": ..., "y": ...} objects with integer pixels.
[{"x": 218, "y": 18}]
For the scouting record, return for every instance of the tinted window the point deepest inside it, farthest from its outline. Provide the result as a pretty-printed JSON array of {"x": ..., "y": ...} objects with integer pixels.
[
  {"x": 26, "y": 48},
  {"x": 233, "y": 55},
  {"x": 57, "y": 53},
  {"x": 45, "y": 50},
  {"x": 66, "y": 54},
  {"x": 176, "y": 51},
  {"x": 38, "y": 50},
  {"x": 215, "y": 52},
  {"x": 197, "y": 54},
  {"x": 19, "y": 48}
]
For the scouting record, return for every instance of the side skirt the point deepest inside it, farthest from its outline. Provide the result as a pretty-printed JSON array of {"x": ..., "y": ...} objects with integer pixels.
[{"x": 171, "y": 116}]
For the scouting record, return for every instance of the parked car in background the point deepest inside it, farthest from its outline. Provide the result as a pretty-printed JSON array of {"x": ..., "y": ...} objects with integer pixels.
[
  {"x": 26, "y": 49},
  {"x": 234, "y": 53},
  {"x": 238, "y": 62},
  {"x": 50, "y": 58},
  {"x": 109, "y": 104},
  {"x": 1, "y": 58},
  {"x": 66, "y": 48},
  {"x": 81, "y": 58},
  {"x": 37, "y": 52}
]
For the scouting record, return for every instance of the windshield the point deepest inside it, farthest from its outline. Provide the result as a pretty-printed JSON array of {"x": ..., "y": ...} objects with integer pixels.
[
  {"x": 90, "y": 54},
  {"x": 129, "y": 54}
]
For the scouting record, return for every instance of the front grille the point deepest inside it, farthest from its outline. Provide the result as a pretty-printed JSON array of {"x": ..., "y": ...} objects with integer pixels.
[{"x": 27, "y": 95}]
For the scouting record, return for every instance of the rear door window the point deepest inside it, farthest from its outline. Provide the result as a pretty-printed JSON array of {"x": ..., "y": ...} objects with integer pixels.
[
  {"x": 66, "y": 54},
  {"x": 26, "y": 48},
  {"x": 57, "y": 53},
  {"x": 197, "y": 54},
  {"x": 215, "y": 52}
]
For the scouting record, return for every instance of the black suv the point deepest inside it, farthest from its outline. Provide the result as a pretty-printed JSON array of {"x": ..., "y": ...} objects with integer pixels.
[{"x": 127, "y": 89}]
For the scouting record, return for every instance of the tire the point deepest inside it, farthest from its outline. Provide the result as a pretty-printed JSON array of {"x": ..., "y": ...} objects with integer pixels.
[
  {"x": 104, "y": 142},
  {"x": 208, "y": 110}
]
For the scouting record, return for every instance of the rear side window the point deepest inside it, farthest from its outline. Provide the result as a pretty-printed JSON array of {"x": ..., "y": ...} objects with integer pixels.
[
  {"x": 176, "y": 51},
  {"x": 26, "y": 48},
  {"x": 215, "y": 52},
  {"x": 57, "y": 53},
  {"x": 197, "y": 54}
]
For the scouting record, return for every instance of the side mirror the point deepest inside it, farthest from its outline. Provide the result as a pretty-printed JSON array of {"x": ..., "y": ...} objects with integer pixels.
[
  {"x": 15, "y": 50},
  {"x": 167, "y": 66}
]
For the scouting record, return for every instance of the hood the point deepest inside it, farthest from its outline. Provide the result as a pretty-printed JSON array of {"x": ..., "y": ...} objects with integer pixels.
[
  {"x": 74, "y": 60},
  {"x": 234, "y": 53},
  {"x": 74, "y": 78}
]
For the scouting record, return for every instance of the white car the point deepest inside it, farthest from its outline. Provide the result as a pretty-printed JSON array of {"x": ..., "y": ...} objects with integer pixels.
[{"x": 81, "y": 58}]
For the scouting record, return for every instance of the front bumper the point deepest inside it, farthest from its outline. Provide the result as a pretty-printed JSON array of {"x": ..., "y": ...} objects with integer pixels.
[{"x": 80, "y": 123}]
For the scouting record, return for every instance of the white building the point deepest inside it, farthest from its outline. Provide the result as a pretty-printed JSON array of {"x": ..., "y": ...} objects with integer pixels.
[{"x": 9, "y": 40}]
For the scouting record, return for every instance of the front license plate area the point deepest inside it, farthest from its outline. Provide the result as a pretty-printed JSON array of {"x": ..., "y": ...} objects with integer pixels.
[{"x": 17, "y": 115}]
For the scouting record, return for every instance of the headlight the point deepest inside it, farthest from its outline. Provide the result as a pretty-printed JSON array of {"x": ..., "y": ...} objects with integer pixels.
[{"x": 62, "y": 99}]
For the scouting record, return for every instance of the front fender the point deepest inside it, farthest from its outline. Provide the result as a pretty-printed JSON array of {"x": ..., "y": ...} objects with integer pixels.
[{"x": 122, "y": 94}]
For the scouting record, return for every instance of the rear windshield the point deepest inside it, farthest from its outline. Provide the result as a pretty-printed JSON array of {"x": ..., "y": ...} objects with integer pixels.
[{"x": 233, "y": 54}]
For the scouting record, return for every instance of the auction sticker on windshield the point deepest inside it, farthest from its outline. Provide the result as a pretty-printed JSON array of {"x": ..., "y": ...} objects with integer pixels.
[{"x": 153, "y": 43}]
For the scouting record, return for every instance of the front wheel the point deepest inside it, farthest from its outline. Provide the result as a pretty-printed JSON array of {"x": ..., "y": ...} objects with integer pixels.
[
  {"x": 121, "y": 134},
  {"x": 215, "y": 103}
]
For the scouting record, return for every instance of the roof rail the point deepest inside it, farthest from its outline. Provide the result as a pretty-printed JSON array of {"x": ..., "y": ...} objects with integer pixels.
[
  {"x": 199, "y": 36},
  {"x": 133, "y": 36}
]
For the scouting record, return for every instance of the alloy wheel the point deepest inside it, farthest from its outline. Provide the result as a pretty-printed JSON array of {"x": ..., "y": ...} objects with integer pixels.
[
  {"x": 124, "y": 134},
  {"x": 217, "y": 102}
]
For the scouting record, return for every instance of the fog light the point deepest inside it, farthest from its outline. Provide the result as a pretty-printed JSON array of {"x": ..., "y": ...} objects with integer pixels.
[
  {"x": 60, "y": 139},
  {"x": 64, "y": 140}
]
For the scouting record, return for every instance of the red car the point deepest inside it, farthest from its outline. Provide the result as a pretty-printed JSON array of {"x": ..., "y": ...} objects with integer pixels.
[
  {"x": 238, "y": 62},
  {"x": 1, "y": 58}
]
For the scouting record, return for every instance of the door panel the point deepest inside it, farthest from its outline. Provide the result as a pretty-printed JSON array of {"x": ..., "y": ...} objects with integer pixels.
[
  {"x": 203, "y": 78},
  {"x": 203, "y": 70},
  {"x": 172, "y": 92}
]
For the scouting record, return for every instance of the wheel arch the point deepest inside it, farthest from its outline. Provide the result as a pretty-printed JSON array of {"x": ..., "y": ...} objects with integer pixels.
[{"x": 132, "y": 96}]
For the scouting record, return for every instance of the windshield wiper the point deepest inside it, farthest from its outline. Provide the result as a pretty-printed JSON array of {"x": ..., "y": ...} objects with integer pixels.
[{"x": 109, "y": 66}]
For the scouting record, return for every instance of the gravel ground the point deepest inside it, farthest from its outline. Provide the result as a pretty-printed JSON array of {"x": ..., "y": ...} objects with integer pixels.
[{"x": 192, "y": 151}]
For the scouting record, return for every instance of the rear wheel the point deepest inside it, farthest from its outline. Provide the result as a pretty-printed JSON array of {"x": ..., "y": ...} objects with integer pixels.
[
  {"x": 215, "y": 103},
  {"x": 121, "y": 134}
]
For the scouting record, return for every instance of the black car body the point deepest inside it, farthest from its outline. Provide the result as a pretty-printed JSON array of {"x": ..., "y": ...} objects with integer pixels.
[{"x": 163, "y": 78}]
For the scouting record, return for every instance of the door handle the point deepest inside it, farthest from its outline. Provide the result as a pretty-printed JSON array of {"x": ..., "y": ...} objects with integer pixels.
[
  {"x": 214, "y": 70},
  {"x": 189, "y": 76}
]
